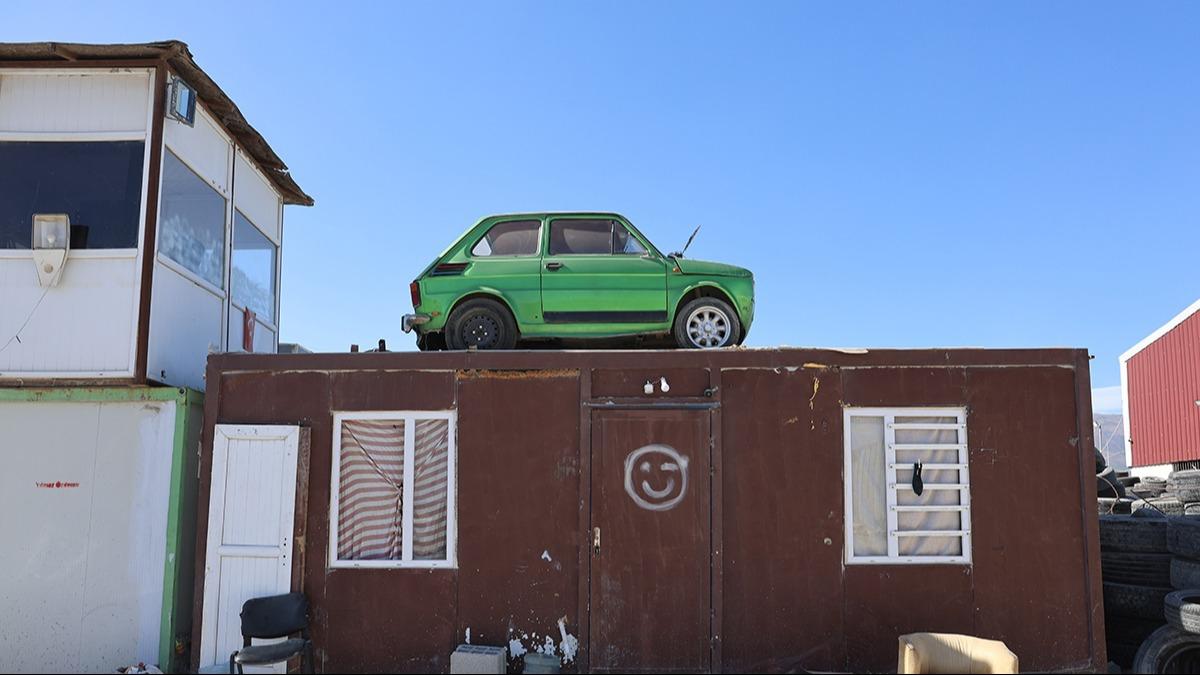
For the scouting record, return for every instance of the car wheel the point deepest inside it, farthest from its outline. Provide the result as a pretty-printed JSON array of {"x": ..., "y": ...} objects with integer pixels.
[
  {"x": 482, "y": 324},
  {"x": 706, "y": 323}
]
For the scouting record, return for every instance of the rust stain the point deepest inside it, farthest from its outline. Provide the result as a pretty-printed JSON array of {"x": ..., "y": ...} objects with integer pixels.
[{"x": 476, "y": 374}]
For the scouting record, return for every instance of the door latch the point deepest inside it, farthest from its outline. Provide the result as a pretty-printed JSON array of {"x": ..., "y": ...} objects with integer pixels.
[{"x": 596, "y": 540}]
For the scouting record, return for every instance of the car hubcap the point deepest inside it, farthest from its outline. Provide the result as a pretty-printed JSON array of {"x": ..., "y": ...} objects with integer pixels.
[
  {"x": 481, "y": 332},
  {"x": 708, "y": 327}
]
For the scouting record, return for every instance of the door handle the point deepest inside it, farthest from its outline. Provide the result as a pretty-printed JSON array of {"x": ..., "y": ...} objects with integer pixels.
[
  {"x": 554, "y": 265},
  {"x": 596, "y": 540}
]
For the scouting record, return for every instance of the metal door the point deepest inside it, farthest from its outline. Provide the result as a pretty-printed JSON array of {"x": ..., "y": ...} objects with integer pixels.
[
  {"x": 250, "y": 529},
  {"x": 650, "y": 589}
]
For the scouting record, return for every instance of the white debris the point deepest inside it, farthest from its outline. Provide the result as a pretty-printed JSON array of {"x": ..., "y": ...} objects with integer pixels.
[
  {"x": 570, "y": 644},
  {"x": 547, "y": 647},
  {"x": 515, "y": 649},
  {"x": 468, "y": 635},
  {"x": 546, "y": 556}
]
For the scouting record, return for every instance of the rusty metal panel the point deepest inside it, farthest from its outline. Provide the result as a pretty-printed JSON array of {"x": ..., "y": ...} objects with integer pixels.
[
  {"x": 1032, "y": 575},
  {"x": 518, "y": 508},
  {"x": 622, "y": 383},
  {"x": 782, "y": 514},
  {"x": 1164, "y": 385}
]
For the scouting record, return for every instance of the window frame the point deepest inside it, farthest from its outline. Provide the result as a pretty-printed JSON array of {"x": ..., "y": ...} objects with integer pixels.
[
  {"x": 410, "y": 418},
  {"x": 963, "y": 486},
  {"x": 537, "y": 250}
]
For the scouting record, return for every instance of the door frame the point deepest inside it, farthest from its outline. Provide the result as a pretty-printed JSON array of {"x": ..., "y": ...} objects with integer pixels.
[
  {"x": 716, "y": 512},
  {"x": 223, "y": 433}
]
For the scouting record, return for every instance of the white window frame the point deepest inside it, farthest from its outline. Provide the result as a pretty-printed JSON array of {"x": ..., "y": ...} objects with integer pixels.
[
  {"x": 410, "y": 417},
  {"x": 963, "y": 486}
]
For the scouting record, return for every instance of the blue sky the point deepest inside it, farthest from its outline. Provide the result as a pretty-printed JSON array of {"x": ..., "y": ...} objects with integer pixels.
[{"x": 915, "y": 174}]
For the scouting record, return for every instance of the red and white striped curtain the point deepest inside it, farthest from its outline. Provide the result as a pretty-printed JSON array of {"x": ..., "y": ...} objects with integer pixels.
[
  {"x": 430, "y": 476},
  {"x": 371, "y": 490}
]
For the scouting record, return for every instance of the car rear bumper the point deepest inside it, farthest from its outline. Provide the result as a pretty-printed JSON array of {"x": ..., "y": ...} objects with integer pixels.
[{"x": 410, "y": 321}]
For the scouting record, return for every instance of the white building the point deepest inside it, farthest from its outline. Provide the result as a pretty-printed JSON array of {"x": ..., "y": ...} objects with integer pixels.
[{"x": 176, "y": 216}]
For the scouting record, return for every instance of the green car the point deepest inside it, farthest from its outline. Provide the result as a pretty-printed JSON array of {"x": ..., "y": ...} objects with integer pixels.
[{"x": 536, "y": 276}]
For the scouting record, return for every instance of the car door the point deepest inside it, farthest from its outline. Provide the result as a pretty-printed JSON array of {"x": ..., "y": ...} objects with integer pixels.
[{"x": 595, "y": 271}]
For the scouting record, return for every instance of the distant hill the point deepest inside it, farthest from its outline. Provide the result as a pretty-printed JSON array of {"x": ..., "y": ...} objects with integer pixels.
[{"x": 1110, "y": 439}]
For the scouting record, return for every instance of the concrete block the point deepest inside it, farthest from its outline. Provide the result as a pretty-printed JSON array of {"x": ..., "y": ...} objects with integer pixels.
[{"x": 479, "y": 659}]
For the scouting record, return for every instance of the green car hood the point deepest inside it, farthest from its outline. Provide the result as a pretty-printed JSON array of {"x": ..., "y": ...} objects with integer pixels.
[{"x": 688, "y": 266}]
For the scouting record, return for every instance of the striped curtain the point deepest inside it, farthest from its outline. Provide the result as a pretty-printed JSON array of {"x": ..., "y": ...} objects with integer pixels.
[
  {"x": 430, "y": 476},
  {"x": 371, "y": 490}
]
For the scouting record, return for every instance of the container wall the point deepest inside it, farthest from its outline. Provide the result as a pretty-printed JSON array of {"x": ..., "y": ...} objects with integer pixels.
[
  {"x": 90, "y": 480},
  {"x": 1163, "y": 387}
]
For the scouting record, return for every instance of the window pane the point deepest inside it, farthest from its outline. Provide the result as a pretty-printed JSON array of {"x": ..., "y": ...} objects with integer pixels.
[
  {"x": 626, "y": 243},
  {"x": 945, "y": 456},
  {"x": 908, "y": 521},
  {"x": 928, "y": 476},
  {"x": 430, "y": 484},
  {"x": 253, "y": 276},
  {"x": 935, "y": 497},
  {"x": 518, "y": 237},
  {"x": 371, "y": 490},
  {"x": 930, "y": 546},
  {"x": 927, "y": 436},
  {"x": 98, "y": 184},
  {"x": 580, "y": 236},
  {"x": 868, "y": 489},
  {"x": 192, "y": 223}
]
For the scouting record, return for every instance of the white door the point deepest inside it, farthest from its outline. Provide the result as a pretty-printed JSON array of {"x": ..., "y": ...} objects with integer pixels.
[{"x": 250, "y": 525}]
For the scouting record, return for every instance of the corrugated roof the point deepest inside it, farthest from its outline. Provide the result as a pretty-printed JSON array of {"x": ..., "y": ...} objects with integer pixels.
[{"x": 175, "y": 54}]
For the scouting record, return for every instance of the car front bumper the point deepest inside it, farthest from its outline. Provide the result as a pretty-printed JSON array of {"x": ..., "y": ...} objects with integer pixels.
[{"x": 409, "y": 321}]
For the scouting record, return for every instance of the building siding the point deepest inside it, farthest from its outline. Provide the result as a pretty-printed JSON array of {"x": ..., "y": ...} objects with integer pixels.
[{"x": 1163, "y": 382}]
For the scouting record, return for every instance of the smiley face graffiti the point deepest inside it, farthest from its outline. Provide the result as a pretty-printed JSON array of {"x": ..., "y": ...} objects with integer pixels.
[{"x": 656, "y": 477}]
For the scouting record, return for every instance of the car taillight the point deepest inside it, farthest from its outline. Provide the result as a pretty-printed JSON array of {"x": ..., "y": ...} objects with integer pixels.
[{"x": 415, "y": 290}]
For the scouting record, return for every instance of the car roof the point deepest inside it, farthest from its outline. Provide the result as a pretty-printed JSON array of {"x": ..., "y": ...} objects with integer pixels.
[{"x": 548, "y": 214}]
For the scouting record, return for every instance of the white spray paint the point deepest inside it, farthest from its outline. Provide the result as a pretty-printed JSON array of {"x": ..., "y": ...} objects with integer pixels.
[
  {"x": 570, "y": 644},
  {"x": 468, "y": 635},
  {"x": 546, "y": 556},
  {"x": 515, "y": 649},
  {"x": 647, "y": 496}
]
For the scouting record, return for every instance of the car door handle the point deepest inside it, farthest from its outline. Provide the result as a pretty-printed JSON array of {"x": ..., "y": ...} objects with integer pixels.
[{"x": 554, "y": 265}]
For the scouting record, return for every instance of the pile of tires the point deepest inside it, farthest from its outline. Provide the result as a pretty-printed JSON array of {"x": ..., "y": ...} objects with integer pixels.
[
  {"x": 1175, "y": 647},
  {"x": 1136, "y": 570}
]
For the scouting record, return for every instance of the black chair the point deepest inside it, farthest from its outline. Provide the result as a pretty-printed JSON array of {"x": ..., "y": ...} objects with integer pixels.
[{"x": 276, "y": 616}]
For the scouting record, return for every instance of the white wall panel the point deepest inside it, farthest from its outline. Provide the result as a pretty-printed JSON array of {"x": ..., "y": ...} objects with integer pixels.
[
  {"x": 83, "y": 583},
  {"x": 202, "y": 147},
  {"x": 185, "y": 325},
  {"x": 85, "y": 100},
  {"x": 255, "y": 198},
  {"x": 83, "y": 326}
]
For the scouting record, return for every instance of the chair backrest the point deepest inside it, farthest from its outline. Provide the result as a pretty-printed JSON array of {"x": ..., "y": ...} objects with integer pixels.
[{"x": 275, "y": 616}]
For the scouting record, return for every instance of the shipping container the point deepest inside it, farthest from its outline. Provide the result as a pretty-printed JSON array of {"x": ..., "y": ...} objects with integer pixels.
[
  {"x": 728, "y": 510},
  {"x": 1160, "y": 387},
  {"x": 99, "y": 492}
]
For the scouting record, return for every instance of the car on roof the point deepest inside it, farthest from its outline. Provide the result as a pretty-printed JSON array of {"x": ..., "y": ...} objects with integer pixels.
[{"x": 535, "y": 276}]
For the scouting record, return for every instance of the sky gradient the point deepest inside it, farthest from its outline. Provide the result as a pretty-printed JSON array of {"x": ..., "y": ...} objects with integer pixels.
[{"x": 899, "y": 175}]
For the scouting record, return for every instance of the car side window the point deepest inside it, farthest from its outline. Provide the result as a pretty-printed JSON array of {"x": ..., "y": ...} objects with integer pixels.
[
  {"x": 510, "y": 238},
  {"x": 624, "y": 243},
  {"x": 581, "y": 236}
]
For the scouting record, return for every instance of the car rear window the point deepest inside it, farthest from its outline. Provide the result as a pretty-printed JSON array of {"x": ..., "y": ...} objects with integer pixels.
[
  {"x": 581, "y": 236},
  {"x": 513, "y": 237}
]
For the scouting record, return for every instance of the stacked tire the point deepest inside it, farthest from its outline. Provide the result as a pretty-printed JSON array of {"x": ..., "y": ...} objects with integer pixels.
[
  {"x": 1175, "y": 647},
  {"x": 1136, "y": 570}
]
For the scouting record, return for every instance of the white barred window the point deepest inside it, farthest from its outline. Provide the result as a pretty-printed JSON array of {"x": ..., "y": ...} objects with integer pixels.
[
  {"x": 392, "y": 490},
  {"x": 908, "y": 488}
]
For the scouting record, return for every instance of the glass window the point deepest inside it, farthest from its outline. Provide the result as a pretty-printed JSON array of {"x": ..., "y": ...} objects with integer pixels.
[
  {"x": 98, "y": 184},
  {"x": 625, "y": 243},
  {"x": 394, "y": 474},
  {"x": 191, "y": 225},
  {"x": 512, "y": 238},
  {"x": 581, "y": 236},
  {"x": 908, "y": 491},
  {"x": 252, "y": 281}
]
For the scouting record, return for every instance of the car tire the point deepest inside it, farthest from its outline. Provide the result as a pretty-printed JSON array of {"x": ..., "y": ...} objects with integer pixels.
[
  {"x": 1184, "y": 485},
  {"x": 707, "y": 314},
  {"x": 1182, "y": 610},
  {"x": 1111, "y": 505},
  {"x": 1139, "y": 569},
  {"x": 1167, "y": 506},
  {"x": 1144, "y": 602},
  {"x": 1183, "y": 537},
  {"x": 481, "y": 324},
  {"x": 1185, "y": 573},
  {"x": 1168, "y": 650},
  {"x": 1107, "y": 484},
  {"x": 1139, "y": 535}
]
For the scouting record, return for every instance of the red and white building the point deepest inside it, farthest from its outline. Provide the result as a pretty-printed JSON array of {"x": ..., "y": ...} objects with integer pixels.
[{"x": 1160, "y": 396}]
